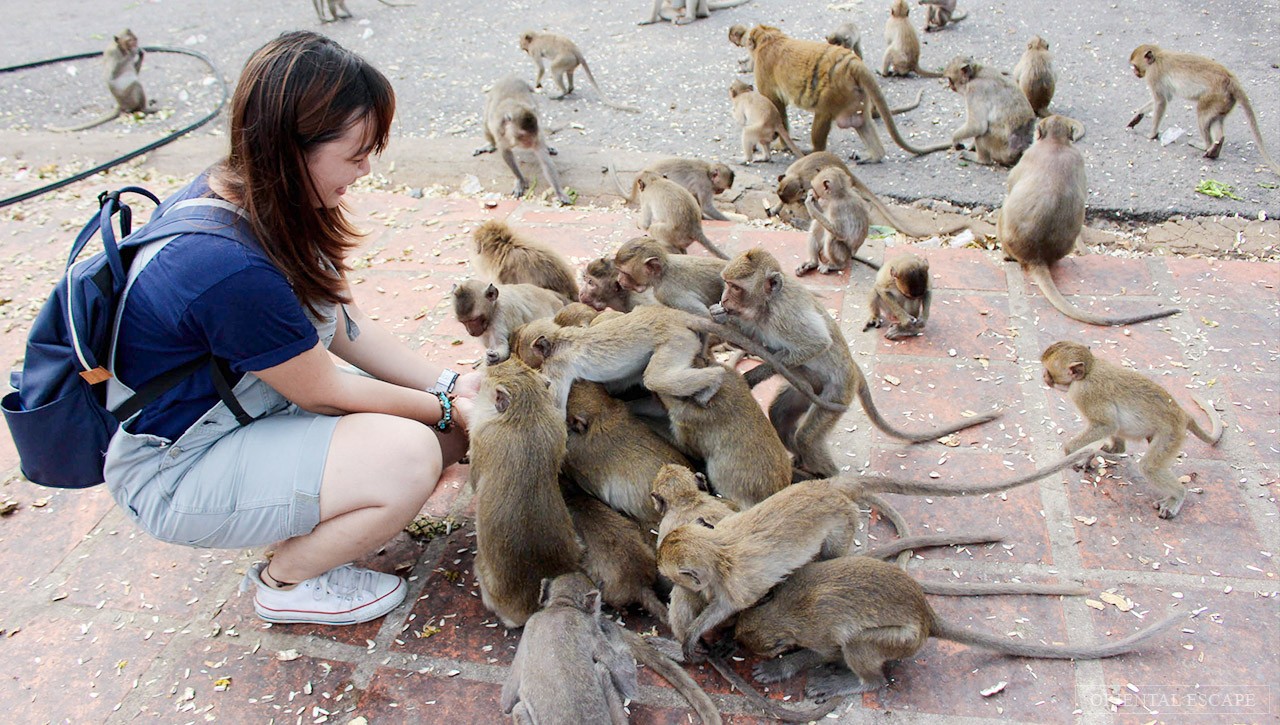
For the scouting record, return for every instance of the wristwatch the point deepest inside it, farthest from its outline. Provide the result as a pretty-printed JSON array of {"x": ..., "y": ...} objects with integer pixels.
[{"x": 444, "y": 384}]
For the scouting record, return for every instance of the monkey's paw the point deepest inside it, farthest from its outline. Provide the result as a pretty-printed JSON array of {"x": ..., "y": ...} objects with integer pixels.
[
  {"x": 666, "y": 647},
  {"x": 1135, "y": 121},
  {"x": 1169, "y": 507},
  {"x": 898, "y": 332},
  {"x": 1153, "y": 135},
  {"x": 806, "y": 268},
  {"x": 718, "y": 313},
  {"x": 875, "y": 322},
  {"x": 837, "y": 683},
  {"x": 775, "y": 670}
]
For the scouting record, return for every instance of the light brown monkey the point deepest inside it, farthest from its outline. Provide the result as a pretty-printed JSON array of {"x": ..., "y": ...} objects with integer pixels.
[
  {"x": 901, "y": 292},
  {"x": 1215, "y": 90},
  {"x": 511, "y": 258},
  {"x": 523, "y": 530},
  {"x": 659, "y": 345},
  {"x": 619, "y": 554},
  {"x": 733, "y": 563},
  {"x": 600, "y": 288},
  {"x": 1034, "y": 75},
  {"x": 999, "y": 117},
  {"x": 121, "y": 63},
  {"x": 568, "y": 667},
  {"x": 679, "y": 15},
  {"x": 864, "y": 613},
  {"x": 490, "y": 312},
  {"x": 565, "y": 57},
  {"x": 522, "y": 338},
  {"x": 337, "y": 9},
  {"x": 778, "y": 312},
  {"x": 704, "y": 180},
  {"x": 941, "y": 12},
  {"x": 510, "y": 123},
  {"x": 576, "y": 314},
  {"x": 848, "y": 36},
  {"x": 760, "y": 121},
  {"x": 681, "y": 281},
  {"x": 902, "y": 45},
  {"x": 1043, "y": 213},
  {"x": 612, "y": 455},
  {"x": 1119, "y": 405},
  {"x": 839, "y": 227},
  {"x": 827, "y": 79},
  {"x": 681, "y": 496},
  {"x": 671, "y": 215}
]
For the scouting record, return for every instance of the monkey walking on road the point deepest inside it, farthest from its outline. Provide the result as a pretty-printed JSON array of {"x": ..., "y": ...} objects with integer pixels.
[{"x": 337, "y": 9}]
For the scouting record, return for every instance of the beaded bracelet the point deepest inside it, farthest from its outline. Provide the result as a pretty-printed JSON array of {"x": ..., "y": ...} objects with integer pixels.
[{"x": 446, "y": 411}]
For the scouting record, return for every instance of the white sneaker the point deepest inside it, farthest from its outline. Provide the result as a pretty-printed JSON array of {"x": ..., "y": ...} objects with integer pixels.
[{"x": 343, "y": 595}]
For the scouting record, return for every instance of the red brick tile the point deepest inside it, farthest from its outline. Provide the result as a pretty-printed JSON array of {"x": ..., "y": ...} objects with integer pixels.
[
  {"x": 958, "y": 269},
  {"x": 397, "y": 696},
  {"x": 929, "y": 396},
  {"x": 37, "y": 539},
  {"x": 642, "y": 714},
  {"x": 790, "y": 247},
  {"x": 1097, "y": 274},
  {"x": 1231, "y": 284},
  {"x": 1149, "y": 345},
  {"x": 969, "y": 326},
  {"x": 530, "y": 215},
  {"x": 447, "y": 490}
]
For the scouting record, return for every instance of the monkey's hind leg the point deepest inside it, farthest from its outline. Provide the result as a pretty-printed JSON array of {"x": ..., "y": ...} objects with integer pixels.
[
  {"x": 1155, "y": 466},
  {"x": 785, "y": 413},
  {"x": 786, "y": 666},
  {"x": 812, "y": 451}
]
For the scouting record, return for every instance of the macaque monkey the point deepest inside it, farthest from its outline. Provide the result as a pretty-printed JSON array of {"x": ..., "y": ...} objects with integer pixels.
[
  {"x": 1043, "y": 213},
  {"x": 671, "y": 215},
  {"x": 575, "y": 314},
  {"x": 839, "y": 227},
  {"x": 612, "y": 455},
  {"x": 999, "y": 118},
  {"x": 847, "y": 36},
  {"x": 681, "y": 281},
  {"x": 1215, "y": 90},
  {"x": 680, "y": 15},
  {"x": 337, "y": 9},
  {"x": 122, "y": 62},
  {"x": 619, "y": 554},
  {"x": 682, "y": 497},
  {"x": 1119, "y": 404},
  {"x": 829, "y": 80},
  {"x": 941, "y": 12},
  {"x": 565, "y": 57},
  {"x": 765, "y": 305},
  {"x": 901, "y": 293},
  {"x": 1034, "y": 75},
  {"x": 733, "y": 563},
  {"x": 511, "y": 258},
  {"x": 490, "y": 312},
  {"x": 704, "y": 180},
  {"x": 511, "y": 122},
  {"x": 902, "y": 45},
  {"x": 600, "y": 288},
  {"x": 864, "y": 613},
  {"x": 568, "y": 667},
  {"x": 761, "y": 123},
  {"x": 523, "y": 530}
]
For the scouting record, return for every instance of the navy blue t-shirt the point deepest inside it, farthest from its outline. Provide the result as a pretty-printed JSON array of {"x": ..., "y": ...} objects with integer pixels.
[{"x": 203, "y": 294}]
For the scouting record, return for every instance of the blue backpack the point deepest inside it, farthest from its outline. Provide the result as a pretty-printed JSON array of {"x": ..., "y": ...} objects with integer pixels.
[{"x": 57, "y": 414}]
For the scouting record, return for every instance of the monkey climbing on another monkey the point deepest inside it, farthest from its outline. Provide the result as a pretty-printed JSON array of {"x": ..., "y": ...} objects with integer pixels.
[{"x": 122, "y": 62}]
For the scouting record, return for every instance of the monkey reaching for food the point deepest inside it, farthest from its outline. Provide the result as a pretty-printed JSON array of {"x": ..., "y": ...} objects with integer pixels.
[
  {"x": 490, "y": 312},
  {"x": 839, "y": 227},
  {"x": 122, "y": 62},
  {"x": 681, "y": 281},
  {"x": 761, "y": 123},
  {"x": 901, "y": 292},
  {"x": 511, "y": 122},
  {"x": 1119, "y": 405},
  {"x": 565, "y": 57}
]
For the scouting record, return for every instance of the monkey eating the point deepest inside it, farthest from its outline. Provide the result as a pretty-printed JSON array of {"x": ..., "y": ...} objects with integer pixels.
[
  {"x": 902, "y": 45},
  {"x": 681, "y": 281},
  {"x": 1043, "y": 213},
  {"x": 490, "y": 312},
  {"x": 839, "y": 227},
  {"x": 512, "y": 258},
  {"x": 1119, "y": 404},
  {"x": 1034, "y": 75},
  {"x": 901, "y": 292},
  {"x": 940, "y": 13},
  {"x": 564, "y": 57},
  {"x": 121, "y": 62},
  {"x": 671, "y": 215},
  {"x": 761, "y": 123},
  {"x": 510, "y": 123},
  {"x": 1215, "y": 90}
]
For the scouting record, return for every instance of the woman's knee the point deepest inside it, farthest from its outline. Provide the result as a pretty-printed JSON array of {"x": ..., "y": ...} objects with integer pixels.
[{"x": 387, "y": 452}]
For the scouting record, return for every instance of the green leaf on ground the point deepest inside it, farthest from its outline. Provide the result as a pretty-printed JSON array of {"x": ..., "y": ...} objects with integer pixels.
[
  {"x": 880, "y": 232},
  {"x": 1217, "y": 190}
]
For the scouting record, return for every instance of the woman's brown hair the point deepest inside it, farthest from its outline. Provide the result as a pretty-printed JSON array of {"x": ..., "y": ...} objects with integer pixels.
[{"x": 295, "y": 93}]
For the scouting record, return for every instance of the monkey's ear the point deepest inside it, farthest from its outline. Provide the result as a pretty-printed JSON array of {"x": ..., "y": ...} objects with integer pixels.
[
  {"x": 542, "y": 346},
  {"x": 1150, "y": 56},
  {"x": 772, "y": 282},
  {"x": 781, "y": 177},
  {"x": 591, "y": 602},
  {"x": 693, "y": 576},
  {"x": 501, "y": 399},
  {"x": 577, "y": 423},
  {"x": 659, "y": 503},
  {"x": 826, "y": 184},
  {"x": 704, "y": 523},
  {"x": 653, "y": 265},
  {"x": 701, "y": 480},
  {"x": 1077, "y": 370},
  {"x": 491, "y": 292},
  {"x": 640, "y": 184},
  {"x": 544, "y": 592}
]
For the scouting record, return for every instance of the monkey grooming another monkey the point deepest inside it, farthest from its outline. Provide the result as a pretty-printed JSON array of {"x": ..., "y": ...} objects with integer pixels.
[
  {"x": 941, "y": 12},
  {"x": 902, "y": 293},
  {"x": 902, "y": 45},
  {"x": 1043, "y": 213},
  {"x": 1034, "y": 75},
  {"x": 567, "y": 667},
  {"x": 1120, "y": 404},
  {"x": 681, "y": 16},
  {"x": 618, "y": 554},
  {"x": 490, "y": 312},
  {"x": 848, "y": 36},
  {"x": 600, "y": 288},
  {"x": 681, "y": 281},
  {"x": 761, "y": 123},
  {"x": 839, "y": 227},
  {"x": 671, "y": 215},
  {"x": 121, "y": 63},
  {"x": 338, "y": 9},
  {"x": 1215, "y": 90},
  {"x": 512, "y": 258},
  {"x": 523, "y": 530},
  {"x": 565, "y": 57},
  {"x": 864, "y": 613},
  {"x": 763, "y": 304},
  {"x": 511, "y": 122},
  {"x": 703, "y": 180}
]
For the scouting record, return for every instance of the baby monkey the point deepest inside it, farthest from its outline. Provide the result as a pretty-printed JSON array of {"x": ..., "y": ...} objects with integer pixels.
[
  {"x": 840, "y": 224},
  {"x": 1124, "y": 405},
  {"x": 565, "y": 57},
  {"x": 901, "y": 293},
  {"x": 761, "y": 123}
]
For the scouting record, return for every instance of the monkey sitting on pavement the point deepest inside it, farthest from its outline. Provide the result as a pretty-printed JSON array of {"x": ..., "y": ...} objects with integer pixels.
[
  {"x": 490, "y": 312},
  {"x": 1034, "y": 75},
  {"x": 686, "y": 11},
  {"x": 999, "y": 118},
  {"x": 941, "y": 12},
  {"x": 681, "y": 281},
  {"x": 1119, "y": 405},
  {"x": 511, "y": 122},
  {"x": 839, "y": 227},
  {"x": 508, "y": 257},
  {"x": 565, "y": 57},
  {"x": 902, "y": 45},
  {"x": 901, "y": 292},
  {"x": 122, "y": 62}
]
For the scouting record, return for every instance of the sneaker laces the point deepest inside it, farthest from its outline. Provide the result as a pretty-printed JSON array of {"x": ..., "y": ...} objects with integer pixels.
[{"x": 345, "y": 581}]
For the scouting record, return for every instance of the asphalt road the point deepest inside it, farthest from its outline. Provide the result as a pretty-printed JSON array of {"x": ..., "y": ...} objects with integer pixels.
[{"x": 441, "y": 53}]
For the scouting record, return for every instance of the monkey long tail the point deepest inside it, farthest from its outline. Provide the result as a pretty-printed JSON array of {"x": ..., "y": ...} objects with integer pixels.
[
  {"x": 886, "y": 114},
  {"x": 629, "y": 197},
  {"x": 603, "y": 97},
  {"x": 868, "y": 405},
  {"x": 1040, "y": 274},
  {"x": 857, "y": 486},
  {"x": 902, "y": 548},
  {"x": 897, "y": 223},
  {"x": 926, "y": 541},
  {"x": 86, "y": 126},
  {"x": 674, "y": 674},
  {"x": 982, "y": 589},
  {"x": 700, "y": 324},
  {"x": 771, "y": 708},
  {"x": 1253, "y": 125},
  {"x": 1000, "y": 643},
  {"x": 711, "y": 246},
  {"x": 1215, "y": 422},
  {"x": 957, "y": 17}
]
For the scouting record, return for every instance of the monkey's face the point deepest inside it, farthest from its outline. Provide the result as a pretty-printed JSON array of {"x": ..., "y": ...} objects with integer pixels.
[
  {"x": 476, "y": 326},
  {"x": 590, "y": 294},
  {"x": 790, "y": 189},
  {"x": 721, "y": 178},
  {"x": 526, "y": 39},
  {"x": 733, "y": 300}
]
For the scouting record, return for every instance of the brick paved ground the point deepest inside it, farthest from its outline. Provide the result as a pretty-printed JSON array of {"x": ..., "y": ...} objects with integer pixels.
[{"x": 99, "y": 623}]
